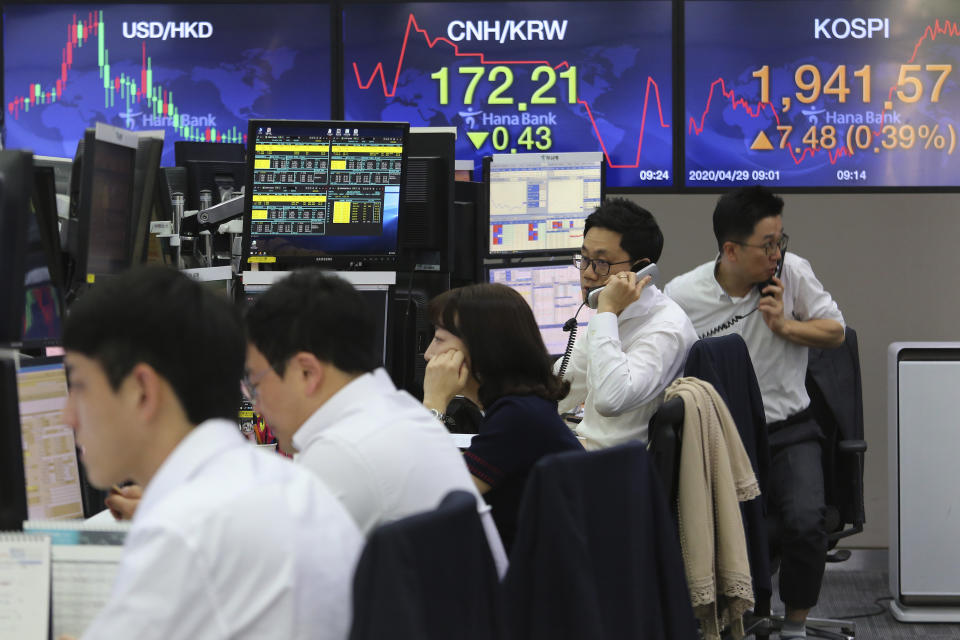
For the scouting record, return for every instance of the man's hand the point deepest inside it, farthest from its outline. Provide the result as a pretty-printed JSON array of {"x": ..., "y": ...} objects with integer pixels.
[
  {"x": 771, "y": 306},
  {"x": 123, "y": 501},
  {"x": 821, "y": 333},
  {"x": 446, "y": 376},
  {"x": 622, "y": 290}
]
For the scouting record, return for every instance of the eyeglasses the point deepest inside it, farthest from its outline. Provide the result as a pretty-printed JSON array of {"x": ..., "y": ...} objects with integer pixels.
[
  {"x": 249, "y": 387},
  {"x": 771, "y": 247},
  {"x": 600, "y": 267}
]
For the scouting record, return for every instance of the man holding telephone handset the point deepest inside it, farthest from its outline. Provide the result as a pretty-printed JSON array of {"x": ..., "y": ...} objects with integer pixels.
[
  {"x": 779, "y": 308},
  {"x": 636, "y": 344}
]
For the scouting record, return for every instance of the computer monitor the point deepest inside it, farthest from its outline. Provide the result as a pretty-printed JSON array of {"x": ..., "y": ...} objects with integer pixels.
[
  {"x": 99, "y": 240},
  {"x": 463, "y": 170},
  {"x": 376, "y": 297},
  {"x": 325, "y": 193},
  {"x": 145, "y": 205},
  {"x": 13, "y": 495},
  {"x": 16, "y": 186},
  {"x": 41, "y": 476},
  {"x": 51, "y": 468},
  {"x": 43, "y": 315},
  {"x": 222, "y": 179},
  {"x": 426, "y": 233},
  {"x": 538, "y": 202},
  {"x": 43, "y": 201},
  {"x": 43, "y": 275},
  {"x": 553, "y": 290},
  {"x": 185, "y": 151},
  {"x": 62, "y": 168},
  {"x": 216, "y": 167},
  {"x": 469, "y": 232}
]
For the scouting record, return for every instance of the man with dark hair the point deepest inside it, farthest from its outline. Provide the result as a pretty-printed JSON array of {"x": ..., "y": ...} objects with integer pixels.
[
  {"x": 636, "y": 344},
  {"x": 753, "y": 273},
  {"x": 154, "y": 363},
  {"x": 313, "y": 374}
]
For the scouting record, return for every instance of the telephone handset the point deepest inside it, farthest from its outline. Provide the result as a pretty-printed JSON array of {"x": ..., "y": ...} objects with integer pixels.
[
  {"x": 764, "y": 285},
  {"x": 592, "y": 301},
  {"x": 735, "y": 319},
  {"x": 593, "y": 297}
]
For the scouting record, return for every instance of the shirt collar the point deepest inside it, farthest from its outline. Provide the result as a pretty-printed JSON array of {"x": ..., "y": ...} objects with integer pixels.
[
  {"x": 206, "y": 440},
  {"x": 350, "y": 399},
  {"x": 649, "y": 298},
  {"x": 713, "y": 285}
]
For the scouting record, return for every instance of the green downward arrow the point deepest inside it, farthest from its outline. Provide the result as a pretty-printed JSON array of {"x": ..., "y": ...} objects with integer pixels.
[{"x": 478, "y": 137}]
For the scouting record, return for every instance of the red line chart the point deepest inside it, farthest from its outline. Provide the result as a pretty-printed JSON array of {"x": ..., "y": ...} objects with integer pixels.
[
  {"x": 931, "y": 32},
  {"x": 651, "y": 88}
]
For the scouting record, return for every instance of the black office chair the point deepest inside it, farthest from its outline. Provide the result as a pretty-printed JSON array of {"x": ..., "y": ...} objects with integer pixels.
[
  {"x": 833, "y": 383},
  {"x": 725, "y": 363},
  {"x": 836, "y": 402},
  {"x": 596, "y": 553},
  {"x": 429, "y": 576},
  {"x": 665, "y": 433}
]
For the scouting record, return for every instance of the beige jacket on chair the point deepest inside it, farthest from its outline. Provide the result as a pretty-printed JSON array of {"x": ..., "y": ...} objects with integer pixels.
[{"x": 715, "y": 476}]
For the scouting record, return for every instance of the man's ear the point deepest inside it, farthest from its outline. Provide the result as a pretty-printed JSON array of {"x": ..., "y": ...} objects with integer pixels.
[
  {"x": 312, "y": 371},
  {"x": 729, "y": 251},
  {"x": 147, "y": 389}
]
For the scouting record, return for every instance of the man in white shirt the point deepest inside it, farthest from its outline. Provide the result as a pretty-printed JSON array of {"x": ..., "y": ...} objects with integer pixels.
[
  {"x": 227, "y": 541},
  {"x": 636, "y": 344},
  {"x": 313, "y": 373},
  {"x": 780, "y": 312}
]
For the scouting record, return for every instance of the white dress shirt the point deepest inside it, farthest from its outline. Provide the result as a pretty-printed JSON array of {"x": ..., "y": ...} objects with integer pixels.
[
  {"x": 232, "y": 542},
  {"x": 780, "y": 365},
  {"x": 383, "y": 455},
  {"x": 622, "y": 365}
]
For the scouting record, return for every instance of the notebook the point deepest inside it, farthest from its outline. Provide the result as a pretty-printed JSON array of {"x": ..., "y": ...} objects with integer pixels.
[
  {"x": 24, "y": 586},
  {"x": 83, "y": 563}
]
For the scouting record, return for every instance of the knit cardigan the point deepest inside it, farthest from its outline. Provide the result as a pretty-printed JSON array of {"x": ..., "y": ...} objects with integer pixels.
[{"x": 715, "y": 475}]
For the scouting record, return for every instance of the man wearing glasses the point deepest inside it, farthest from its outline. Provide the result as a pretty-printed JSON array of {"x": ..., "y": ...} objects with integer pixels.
[
  {"x": 636, "y": 344},
  {"x": 780, "y": 309}
]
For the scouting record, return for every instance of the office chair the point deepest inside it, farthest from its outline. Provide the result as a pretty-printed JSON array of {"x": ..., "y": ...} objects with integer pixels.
[
  {"x": 429, "y": 576},
  {"x": 836, "y": 403},
  {"x": 596, "y": 553},
  {"x": 833, "y": 383},
  {"x": 725, "y": 363},
  {"x": 717, "y": 482},
  {"x": 664, "y": 438}
]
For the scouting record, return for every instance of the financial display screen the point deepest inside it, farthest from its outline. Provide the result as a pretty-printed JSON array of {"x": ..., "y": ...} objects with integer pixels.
[
  {"x": 52, "y": 475},
  {"x": 519, "y": 77},
  {"x": 553, "y": 292},
  {"x": 821, "y": 93},
  {"x": 540, "y": 202},
  {"x": 196, "y": 71},
  {"x": 321, "y": 189}
]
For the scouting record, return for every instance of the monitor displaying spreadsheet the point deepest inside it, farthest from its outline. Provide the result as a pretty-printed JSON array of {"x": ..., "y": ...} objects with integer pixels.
[
  {"x": 553, "y": 292},
  {"x": 51, "y": 469},
  {"x": 539, "y": 202}
]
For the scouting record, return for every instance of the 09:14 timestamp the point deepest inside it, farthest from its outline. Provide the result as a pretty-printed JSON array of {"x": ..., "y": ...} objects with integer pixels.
[{"x": 851, "y": 175}]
